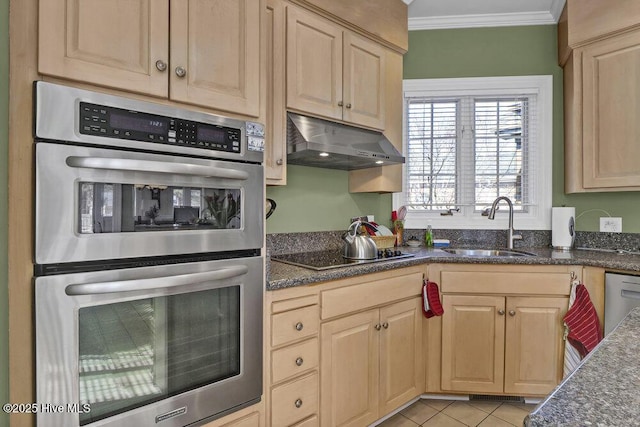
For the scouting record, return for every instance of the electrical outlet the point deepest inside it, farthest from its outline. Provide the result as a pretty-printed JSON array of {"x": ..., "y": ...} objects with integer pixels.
[{"x": 611, "y": 224}]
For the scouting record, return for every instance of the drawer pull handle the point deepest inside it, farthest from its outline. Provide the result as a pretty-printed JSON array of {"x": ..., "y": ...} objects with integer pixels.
[
  {"x": 299, "y": 361},
  {"x": 501, "y": 312},
  {"x": 299, "y": 326},
  {"x": 298, "y": 403},
  {"x": 348, "y": 105},
  {"x": 340, "y": 103},
  {"x": 377, "y": 327},
  {"x": 512, "y": 313},
  {"x": 385, "y": 325}
]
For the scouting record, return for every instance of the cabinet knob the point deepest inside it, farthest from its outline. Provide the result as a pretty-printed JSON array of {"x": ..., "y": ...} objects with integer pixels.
[
  {"x": 161, "y": 65},
  {"x": 299, "y": 361},
  {"x": 501, "y": 312},
  {"x": 299, "y": 326},
  {"x": 385, "y": 325},
  {"x": 298, "y": 403},
  {"x": 512, "y": 313},
  {"x": 340, "y": 103},
  {"x": 279, "y": 162},
  {"x": 378, "y": 326},
  {"x": 348, "y": 105},
  {"x": 181, "y": 72}
]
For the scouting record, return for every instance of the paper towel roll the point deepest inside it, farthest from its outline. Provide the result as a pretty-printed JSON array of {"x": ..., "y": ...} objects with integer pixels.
[{"x": 562, "y": 227}]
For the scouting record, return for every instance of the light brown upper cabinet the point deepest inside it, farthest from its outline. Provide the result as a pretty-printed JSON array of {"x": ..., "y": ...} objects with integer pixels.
[
  {"x": 275, "y": 155},
  {"x": 193, "y": 51},
  {"x": 333, "y": 72},
  {"x": 599, "y": 49},
  {"x": 602, "y": 116}
]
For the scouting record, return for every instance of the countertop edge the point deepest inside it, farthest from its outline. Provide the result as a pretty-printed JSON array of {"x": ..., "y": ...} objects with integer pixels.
[{"x": 288, "y": 276}]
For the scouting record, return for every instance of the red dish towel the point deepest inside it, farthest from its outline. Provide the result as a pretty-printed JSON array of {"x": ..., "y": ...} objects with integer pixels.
[
  {"x": 431, "y": 300},
  {"x": 582, "y": 321}
]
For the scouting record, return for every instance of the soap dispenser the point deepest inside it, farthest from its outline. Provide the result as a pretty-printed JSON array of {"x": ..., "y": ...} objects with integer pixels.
[{"x": 428, "y": 236}]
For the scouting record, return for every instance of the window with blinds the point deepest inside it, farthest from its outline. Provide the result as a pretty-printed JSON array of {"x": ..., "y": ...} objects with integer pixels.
[{"x": 463, "y": 150}]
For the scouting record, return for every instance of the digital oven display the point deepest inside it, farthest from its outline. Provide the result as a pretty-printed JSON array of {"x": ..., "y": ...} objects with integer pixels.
[
  {"x": 153, "y": 125},
  {"x": 211, "y": 134}
]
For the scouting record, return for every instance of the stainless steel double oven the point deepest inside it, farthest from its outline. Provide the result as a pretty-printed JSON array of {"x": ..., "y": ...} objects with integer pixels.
[{"x": 149, "y": 266}]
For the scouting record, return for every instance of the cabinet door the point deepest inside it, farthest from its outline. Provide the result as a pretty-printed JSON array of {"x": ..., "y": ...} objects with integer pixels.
[
  {"x": 401, "y": 366},
  {"x": 107, "y": 43},
  {"x": 611, "y": 106},
  {"x": 534, "y": 352},
  {"x": 275, "y": 155},
  {"x": 364, "y": 81},
  {"x": 216, "y": 43},
  {"x": 349, "y": 370},
  {"x": 473, "y": 343},
  {"x": 314, "y": 64}
]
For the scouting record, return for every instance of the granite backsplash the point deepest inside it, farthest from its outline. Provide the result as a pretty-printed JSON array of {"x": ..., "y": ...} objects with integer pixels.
[{"x": 284, "y": 243}]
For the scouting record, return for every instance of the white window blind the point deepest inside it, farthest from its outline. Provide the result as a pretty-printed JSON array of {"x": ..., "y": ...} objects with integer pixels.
[{"x": 465, "y": 148}]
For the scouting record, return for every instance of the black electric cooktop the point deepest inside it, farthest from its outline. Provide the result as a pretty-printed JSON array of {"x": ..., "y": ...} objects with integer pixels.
[{"x": 324, "y": 260}]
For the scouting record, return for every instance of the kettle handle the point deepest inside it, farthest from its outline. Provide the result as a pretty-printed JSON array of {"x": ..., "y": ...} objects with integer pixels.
[{"x": 349, "y": 237}]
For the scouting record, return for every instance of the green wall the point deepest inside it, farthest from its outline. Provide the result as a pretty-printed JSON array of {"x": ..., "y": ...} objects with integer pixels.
[
  {"x": 508, "y": 51},
  {"x": 316, "y": 199},
  {"x": 4, "y": 136}
]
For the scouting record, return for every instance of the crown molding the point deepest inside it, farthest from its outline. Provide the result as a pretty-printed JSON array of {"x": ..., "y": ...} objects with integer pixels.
[
  {"x": 555, "y": 9},
  {"x": 487, "y": 20}
]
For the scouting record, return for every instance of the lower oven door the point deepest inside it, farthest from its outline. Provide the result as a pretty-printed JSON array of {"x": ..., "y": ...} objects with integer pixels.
[
  {"x": 95, "y": 203},
  {"x": 167, "y": 346}
]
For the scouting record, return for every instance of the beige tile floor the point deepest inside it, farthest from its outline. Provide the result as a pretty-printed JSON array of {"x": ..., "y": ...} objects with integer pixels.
[{"x": 456, "y": 413}]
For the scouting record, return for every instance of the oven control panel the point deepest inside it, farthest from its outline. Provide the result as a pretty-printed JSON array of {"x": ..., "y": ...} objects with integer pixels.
[{"x": 110, "y": 122}]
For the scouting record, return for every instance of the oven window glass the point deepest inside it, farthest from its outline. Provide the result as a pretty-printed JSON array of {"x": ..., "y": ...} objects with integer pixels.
[
  {"x": 122, "y": 208},
  {"x": 136, "y": 352}
]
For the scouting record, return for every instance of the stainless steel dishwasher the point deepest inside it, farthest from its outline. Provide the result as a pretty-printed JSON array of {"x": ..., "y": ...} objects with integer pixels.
[{"x": 622, "y": 294}]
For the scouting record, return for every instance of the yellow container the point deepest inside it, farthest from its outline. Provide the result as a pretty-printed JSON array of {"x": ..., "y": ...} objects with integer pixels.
[{"x": 384, "y": 242}]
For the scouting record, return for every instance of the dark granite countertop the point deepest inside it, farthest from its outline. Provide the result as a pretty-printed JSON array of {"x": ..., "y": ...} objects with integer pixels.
[
  {"x": 605, "y": 388},
  {"x": 282, "y": 275}
]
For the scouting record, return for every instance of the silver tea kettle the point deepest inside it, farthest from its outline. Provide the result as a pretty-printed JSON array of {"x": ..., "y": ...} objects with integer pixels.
[{"x": 358, "y": 245}]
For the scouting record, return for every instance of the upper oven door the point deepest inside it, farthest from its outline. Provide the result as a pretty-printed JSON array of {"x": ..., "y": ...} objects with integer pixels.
[{"x": 100, "y": 204}]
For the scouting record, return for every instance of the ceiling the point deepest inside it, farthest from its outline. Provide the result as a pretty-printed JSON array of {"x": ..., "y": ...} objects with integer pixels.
[{"x": 434, "y": 14}]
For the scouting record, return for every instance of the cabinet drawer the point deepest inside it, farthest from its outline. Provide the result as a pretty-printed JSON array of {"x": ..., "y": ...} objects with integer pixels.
[
  {"x": 294, "y": 401},
  {"x": 311, "y": 422},
  {"x": 293, "y": 325},
  {"x": 251, "y": 420},
  {"x": 370, "y": 294},
  {"x": 538, "y": 283},
  {"x": 294, "y": 360}
]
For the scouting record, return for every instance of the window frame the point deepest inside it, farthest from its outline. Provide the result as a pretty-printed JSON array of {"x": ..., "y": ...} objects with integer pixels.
[{"x": 538, "y": 217}]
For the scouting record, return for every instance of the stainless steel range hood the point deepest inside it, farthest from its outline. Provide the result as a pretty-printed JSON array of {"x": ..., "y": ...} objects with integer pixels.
[{"x": 325, "y": 144}]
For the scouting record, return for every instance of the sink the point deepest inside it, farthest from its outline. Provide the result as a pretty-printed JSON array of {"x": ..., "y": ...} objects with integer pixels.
[{"x": 488, "y": 252}]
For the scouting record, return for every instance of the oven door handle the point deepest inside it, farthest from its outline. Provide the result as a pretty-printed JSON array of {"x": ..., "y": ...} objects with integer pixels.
[
  {"x": 156, "y": 282},
  {"x": 155, "y": 166}
]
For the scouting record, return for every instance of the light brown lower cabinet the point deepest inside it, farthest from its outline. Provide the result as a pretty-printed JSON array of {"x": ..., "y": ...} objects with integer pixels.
[
  {"x": 292, "y": 357},
  {"x": 252, "y": 416},
  {"x": 495, "y": 344},
  {"x": 502, "y": 329},
  {"x": 370, "y": 363}
]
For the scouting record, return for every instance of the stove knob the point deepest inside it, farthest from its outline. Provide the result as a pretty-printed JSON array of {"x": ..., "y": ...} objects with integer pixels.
[
  {"x": 388, "y": 253},
  {"x": 380, "y": 253},
  {"x": 397, "y": 253}
]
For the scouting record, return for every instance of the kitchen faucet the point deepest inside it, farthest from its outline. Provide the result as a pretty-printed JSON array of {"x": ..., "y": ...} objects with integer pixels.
[{"x": 492, "y": 213}]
